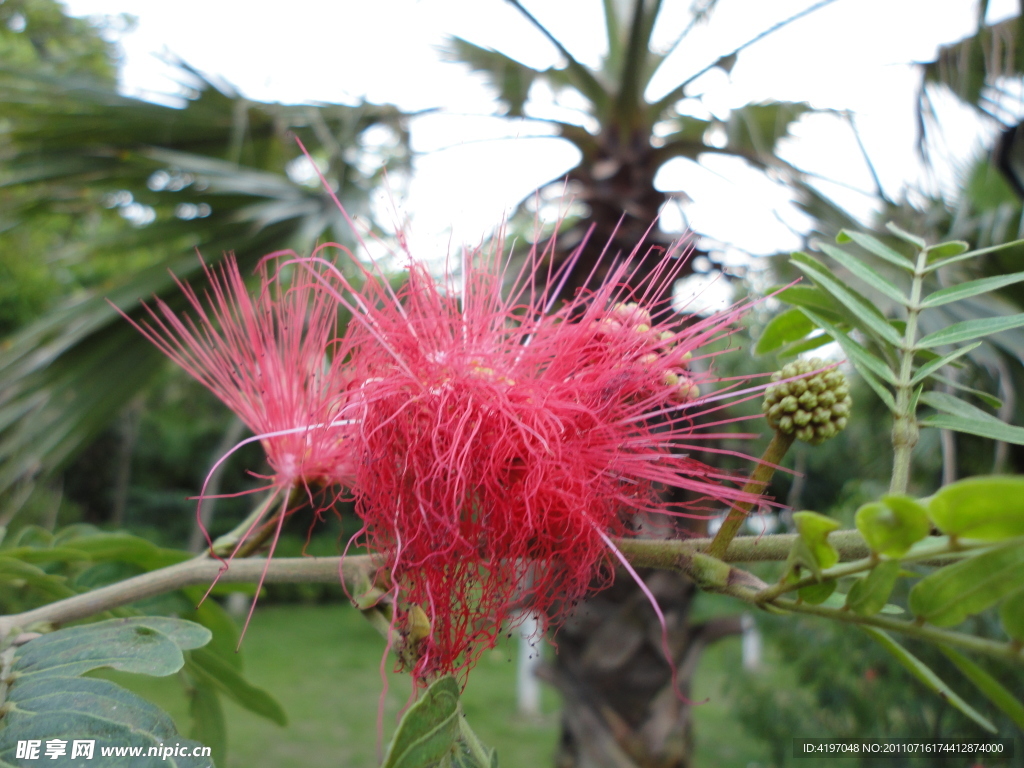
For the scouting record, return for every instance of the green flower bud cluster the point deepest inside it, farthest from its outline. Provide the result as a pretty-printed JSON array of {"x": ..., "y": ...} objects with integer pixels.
[{"x": 814, "y": 407}]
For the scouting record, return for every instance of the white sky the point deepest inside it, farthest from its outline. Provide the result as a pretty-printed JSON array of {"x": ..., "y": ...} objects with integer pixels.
[{"x": 853, "y": 55}]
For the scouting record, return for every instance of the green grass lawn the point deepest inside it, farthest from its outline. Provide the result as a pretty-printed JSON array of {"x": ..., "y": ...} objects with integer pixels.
[{"x": 323, "y": 664}]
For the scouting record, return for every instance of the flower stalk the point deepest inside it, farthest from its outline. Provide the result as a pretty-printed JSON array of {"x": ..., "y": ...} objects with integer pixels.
[{"x": 759, "y": 480}]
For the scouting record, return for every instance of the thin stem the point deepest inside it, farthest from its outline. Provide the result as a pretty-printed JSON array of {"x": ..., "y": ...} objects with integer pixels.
[
  {"x": 762, "y": 473},
  {"x": 941, "y": 551},
  {"x": 200, "y": 570},
  {"x": 1005, "y": 651},
  {"x": 477, "y": 750},
  {"x": 904, "y": 426},
  {"x": 709, "y": 573}
]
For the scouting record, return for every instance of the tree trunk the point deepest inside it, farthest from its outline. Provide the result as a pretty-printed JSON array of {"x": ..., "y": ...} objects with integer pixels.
[{"x": 620, "y": 708}]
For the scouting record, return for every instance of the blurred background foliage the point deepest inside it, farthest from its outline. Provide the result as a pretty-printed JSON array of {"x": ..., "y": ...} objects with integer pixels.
[{"x": 101, "y": 193}]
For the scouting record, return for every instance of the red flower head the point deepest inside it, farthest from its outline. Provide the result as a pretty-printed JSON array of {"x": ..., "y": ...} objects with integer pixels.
[
  {"x": 266, "y": 358},
  {"x": 502, "y": 447}
]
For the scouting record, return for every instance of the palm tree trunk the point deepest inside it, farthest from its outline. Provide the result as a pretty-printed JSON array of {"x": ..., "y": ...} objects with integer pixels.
[{"x": 620, "y": 708}]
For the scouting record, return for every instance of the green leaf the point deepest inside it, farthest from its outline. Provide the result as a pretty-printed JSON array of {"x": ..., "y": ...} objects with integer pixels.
[
  {"x": 429, "y": 729},
  {"x": 994, "y": 690},
  {"x": 510, "y": 78},
  {"x": 797, "y": 348},
  {"x": 869, "y": 595},
  {"x": 930, "y": 680},
  {"x": 964, "y": 417},
  {"x": 990, "y": 508},
  {"x": 863, "y": 310},
  {"x": 211, "y": 669},
  {"x": 1011, "y": 613},
  {"x": 20, "y": 572},
  {"x": 838, "y": 601},
  {"x": 225, "y": 633},
  {"x": 45, "y": 554},
  {"x": 208, "y": 725},
  {"x": 972, "y": 254},
  {"x": 814, "y": 530},
  {"x": 817, "y": 593},
  {"x": 149, "y": 645},
  {"x": 990, "y": 400},
  {"x": 860, "y": 357},
  {"x": 47, "y": 699},
  {"x": 970, "y": 329},
  {"x": 902, "y": 234},
  {"x": 928, "y": 368},
  {"x": 946, "y": 250},
  {"x": 952, "y": 593},
  {"x": 971, "y": 288},
  {"x": 792, "y": 325},
  {"x": 892, "y": 526},
  {"x": 812, "y": 297},
  {"x": 981, "y": 428},
  {"x": 859, "y": 269},
  {"x": 877, "y": 247}
]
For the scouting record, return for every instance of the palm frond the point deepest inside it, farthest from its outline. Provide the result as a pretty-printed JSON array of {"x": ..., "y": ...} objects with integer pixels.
[{"x": 216, "y": 174}]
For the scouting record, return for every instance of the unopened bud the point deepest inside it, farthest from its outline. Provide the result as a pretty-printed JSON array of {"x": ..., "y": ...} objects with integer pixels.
[{"x": 813, "y": 407}]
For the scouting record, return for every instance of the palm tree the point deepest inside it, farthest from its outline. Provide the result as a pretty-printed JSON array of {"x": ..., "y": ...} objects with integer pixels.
[
  {"x": 620, "y": 709},
  {"x": 634, "y": 137},
  {"x": 216, "y": 172}
]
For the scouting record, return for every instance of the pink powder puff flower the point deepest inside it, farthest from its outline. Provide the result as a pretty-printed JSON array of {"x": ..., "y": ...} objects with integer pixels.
[
  {"x": 502, "y": 448},
  {"x": 274, "y": 360}
]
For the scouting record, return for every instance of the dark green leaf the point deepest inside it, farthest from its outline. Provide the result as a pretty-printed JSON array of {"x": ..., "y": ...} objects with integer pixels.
[
  {"x": 970, "y": 288},
  {"x": 147, "y": 645},
  {"x": 211, "y": 669},
  {"x": 890, "y": 527},
  {"x": 45, "y": 554},
  {"x": 84, "y": 708},
  {"x": 860, "y": 357},
  {"x": 866, "y": 313},
  {"x": 429, "y": 729},
  {"x": 952, "y": 593},
  {"x": 988, "y": 508},
  {"x": 208, "y": 726},
  {"x": 926, "y": 676},
  {"x": 875, "y": 246},
  {"x": 817, "y": 593},
  {"x": 12, "y": 570},
  {"x": 792, "y": 325},
  {"x": 994, "y": 690},
  {"x": 797, "y": 348},
  {"x": 990, "y": 400},
  {"x": 930, "y": 367},
  {"x": 1011, "y": 613},
  {"x": 964, "y": 417},
  {"x": 869, "y": 595},
  {"x": 970, "y": 329},
  {"x": 755, "y": 129},
  {"x": 67, "y": 144},
  {"x": 509, "y": 78},
  {"x": 972, "y": 255},
  {"x": 865, "y": 273},
  {"x": 49, "y": 701},
  {"x": 224, "y": 642},
  {"x": 838, "y": 601},
  {"x": 814, "y": 298}
]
